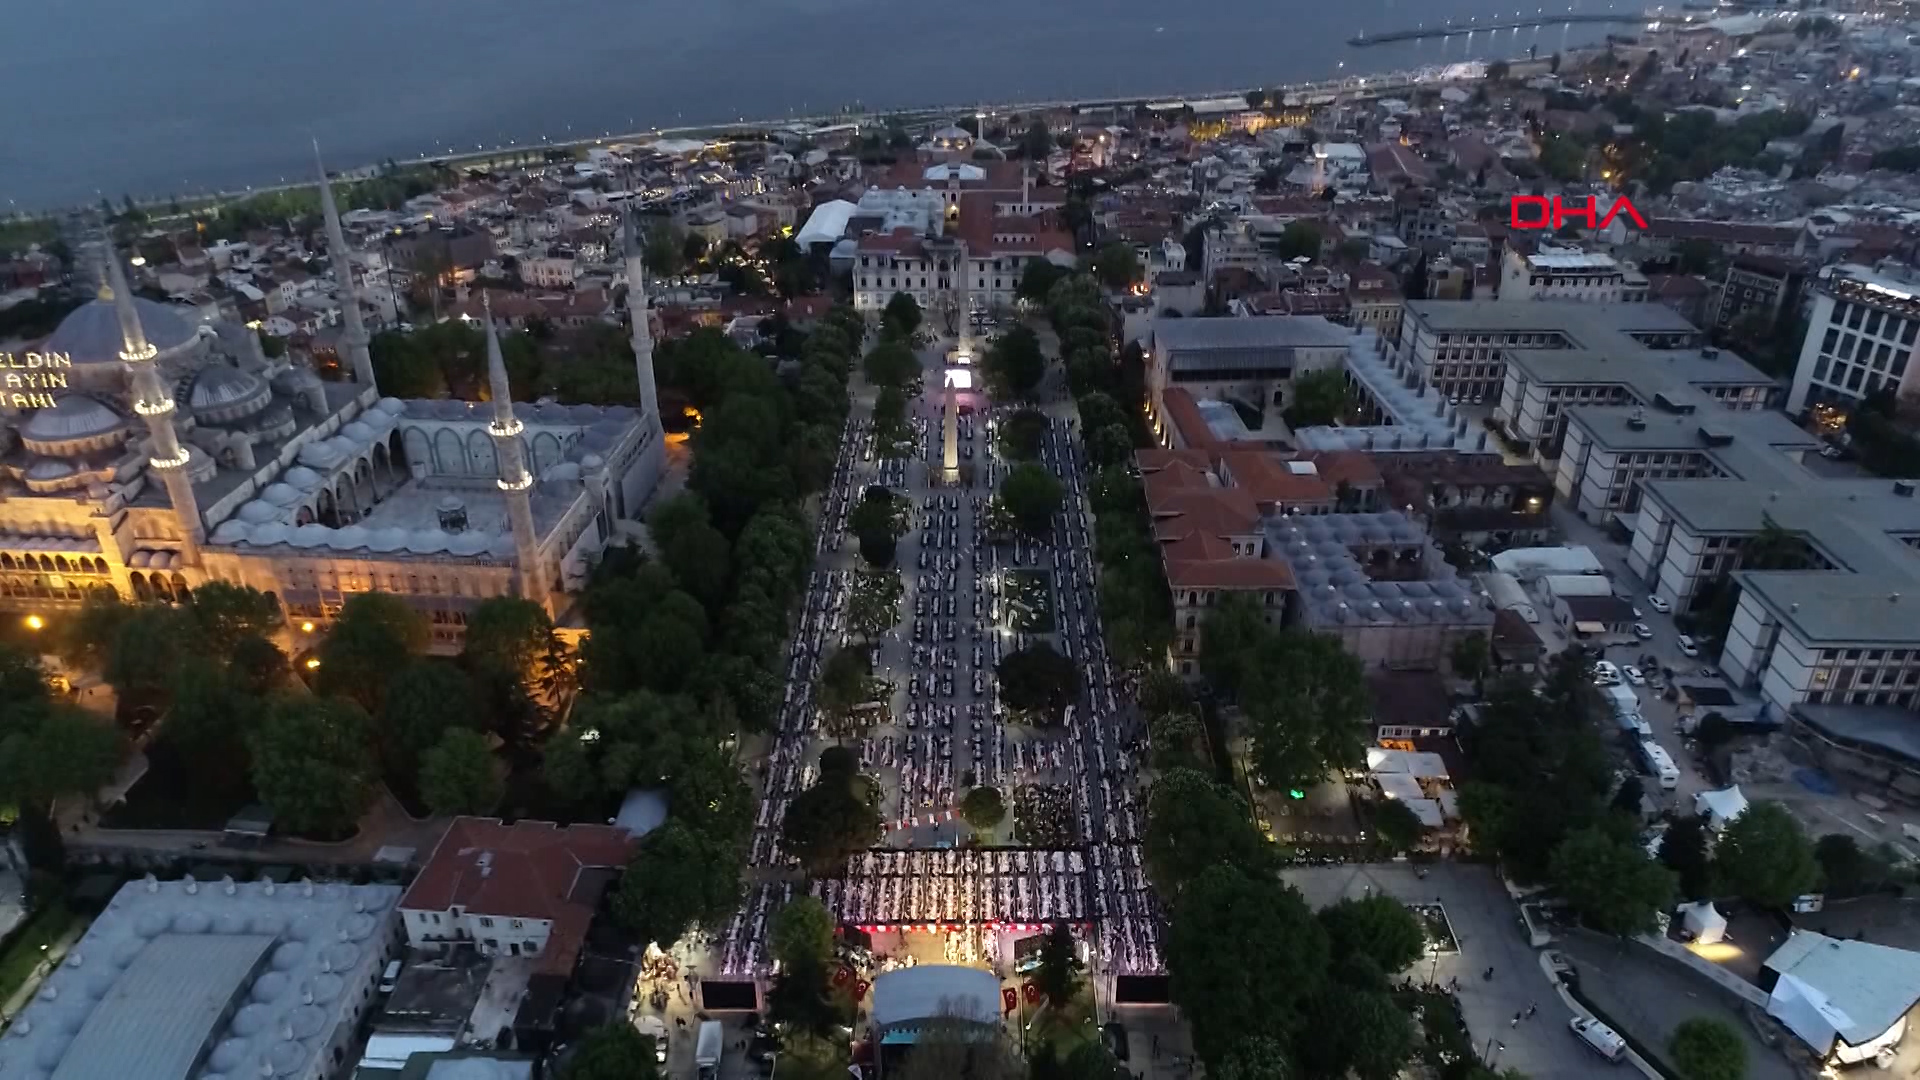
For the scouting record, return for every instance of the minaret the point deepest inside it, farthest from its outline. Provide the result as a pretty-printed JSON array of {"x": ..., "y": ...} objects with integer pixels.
[
  {"x": 637, "y": 308},
  {"x": 515, "y": 480},
  {"x": 355, "y": 339},
  {"x": 155, "y": 406}
]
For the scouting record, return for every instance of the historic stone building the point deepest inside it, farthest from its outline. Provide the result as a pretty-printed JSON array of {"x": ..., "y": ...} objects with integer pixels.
[{"x": 142, "y": 452}]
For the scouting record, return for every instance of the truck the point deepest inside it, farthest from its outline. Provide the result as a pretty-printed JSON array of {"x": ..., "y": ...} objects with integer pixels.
[
  {"x": 706, "y": 1050},
  {"x": 1621, "y": 699}
]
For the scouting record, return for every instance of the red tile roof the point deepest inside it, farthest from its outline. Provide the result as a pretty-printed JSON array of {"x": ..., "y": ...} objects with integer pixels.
[
  {"x": 1183, "y": 414},
  {"x": 527, "y": 870}
]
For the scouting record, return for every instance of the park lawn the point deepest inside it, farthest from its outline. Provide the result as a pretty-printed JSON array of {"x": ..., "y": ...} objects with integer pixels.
[{"x": 25, "y": 951}]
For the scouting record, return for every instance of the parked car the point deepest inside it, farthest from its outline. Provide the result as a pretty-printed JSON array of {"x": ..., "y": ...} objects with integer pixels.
[
  {"x": 1605, "y": 673},
  {"x": 1688, "y": 647},
  {"x": 1633, "y": 675},
  {"x": 1659, "y": 605},
  {"x": 1642, "y": 631}
]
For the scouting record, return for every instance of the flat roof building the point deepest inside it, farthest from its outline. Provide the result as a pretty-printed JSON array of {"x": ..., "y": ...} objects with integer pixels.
[
  {"x": 1860, "y": 339},
  {"x": 1459, "y": 346},
  {"x": 181, "y": 979}
]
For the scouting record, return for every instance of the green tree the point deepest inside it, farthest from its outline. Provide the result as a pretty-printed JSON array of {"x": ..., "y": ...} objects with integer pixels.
[
  {"x": 1234, "y": 629},
  {"x": 1037, "y": 680},
  {"x": 1036, "y": 278},
  {"x": 1263, "y": 983},
  {"x": 50, "y": 751},
  {"x": 1319, "y": 399},
  {"x": 1019, "y": 437},
  {"x": 1614, "y": 886},
  {"x": 85, "y": 638},
  {"x": 458, "y": 775},
  {"x": 149, "y": 646},
  {"x": 258, "y": 665},
  {"x": 1379, "y": 928},
  {"x": 891, "y": 432},
  {"x": 836, "y": 817},
  {"x": 1193, "y": 823},
  {"x": 680, "y": 879},
  {"x": 1357, "y": 1031},
  {"x": 1703, "y": 1048},
  {"x": 1847, "y": 869},
  {"x": 1300, "y": 240},
  {"x": 515, "y": 653},
  {"x": 1471, "y": 657},
  {"x": 663, "y": 251},
  {"x": 313, "y": 764},
  {"x": 1014, "y": 364},
  {"x": 1398, "y": 827},
  {"x": 1058, "y": 976},
  {"x": 891, "y": 363},
  {"x": 1117, "y": 265},
  {"x": 426, "y": 700},
  {"x": 901, "y": 315},
  {"x": 207, "y": 718},
  {"x": 615, "y": 1051},
  {"x": 1306, "y": 699},
  {"x": 1031, "y": 496},
  {"x": 369, "y": 643},
  {"x": 844, "y": 684},
  {"x": 1683, "y": 850},
  {"x": 802, "y": 933},
  {"x": 692, "y": 548},
  {"x": 1764, "y": 856},
  {"x": 1036, "y": 143},
  {"x": 228, "y": 613},
  {"x": 983, "y": 808},
  {"x": 1255, "y": 1057},
  {"x": 873, "y": 605}
]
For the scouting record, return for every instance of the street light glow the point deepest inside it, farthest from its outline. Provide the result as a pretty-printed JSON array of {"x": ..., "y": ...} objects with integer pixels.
[{"x": 35, "y": 622}]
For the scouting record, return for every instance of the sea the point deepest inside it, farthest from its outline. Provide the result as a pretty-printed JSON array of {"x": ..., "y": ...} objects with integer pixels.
[{"x": 186, "y": 97}]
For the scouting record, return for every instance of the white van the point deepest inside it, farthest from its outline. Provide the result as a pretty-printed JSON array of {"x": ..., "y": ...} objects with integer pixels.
[
  {"x": 1600, "y": 1038},
  {"x": 390, "y": 977}
]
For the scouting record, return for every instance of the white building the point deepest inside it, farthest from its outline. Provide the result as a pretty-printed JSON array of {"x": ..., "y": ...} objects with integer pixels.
[
  {"x": 526, "y": 889},
  {"x": 1555, "y": 273},
  {"x": 1460, "y": 347},
  {"x": 1860, "y": 339},
  {"x": 181, "y": 979},
  {"x": 547, "y": 272},
  {"x": 1542, "y": 386}
]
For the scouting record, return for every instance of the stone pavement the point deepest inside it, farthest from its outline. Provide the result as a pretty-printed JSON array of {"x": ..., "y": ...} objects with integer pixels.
[{"x": 1487, "y": 924}]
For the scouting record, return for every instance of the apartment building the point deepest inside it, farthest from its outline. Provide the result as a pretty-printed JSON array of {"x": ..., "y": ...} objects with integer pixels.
[
  {"x": 1460, "y": 347},
  {"x": 1555, "y": 273},
  {"x": 1860, "y": 339}
]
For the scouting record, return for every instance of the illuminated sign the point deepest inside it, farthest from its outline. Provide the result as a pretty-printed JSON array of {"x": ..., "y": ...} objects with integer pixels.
[
  {"x": 1553, "y": 213},
  {"x": 26, "y": 379}
]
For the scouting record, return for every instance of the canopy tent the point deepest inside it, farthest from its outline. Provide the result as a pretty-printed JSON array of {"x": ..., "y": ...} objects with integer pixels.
[
  {"x": 1719, "y": 808},
  {"x": 1399, "y": 786},
  {"x": 1704, "y": 922}
]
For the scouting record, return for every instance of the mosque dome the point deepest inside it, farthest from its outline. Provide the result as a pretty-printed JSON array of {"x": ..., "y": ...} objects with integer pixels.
[
  {"x": 91, "y": 333},
  {"x": 219, "y": 394},
  {"x": 952, "y": 137},
  {"x": 73, "y": 416}
]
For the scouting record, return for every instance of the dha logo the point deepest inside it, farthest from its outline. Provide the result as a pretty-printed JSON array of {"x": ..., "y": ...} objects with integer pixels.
[{"x": 1548, "y": 212}]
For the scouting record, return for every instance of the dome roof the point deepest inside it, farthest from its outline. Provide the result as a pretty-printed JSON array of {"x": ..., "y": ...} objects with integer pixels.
[
  {"x": 321, "y": 454},
  {"x": 91, "y": 334},
  {"x": 358, "y": 432},
  {"x": 281, "y": 494},
  {"x": 74, "y": 416},
  {"x": 258, "y": 513},
  {"x": 49, "y": 469},
  {"x": 223, "y": 388},
  {"x": 302, "y": 477}
]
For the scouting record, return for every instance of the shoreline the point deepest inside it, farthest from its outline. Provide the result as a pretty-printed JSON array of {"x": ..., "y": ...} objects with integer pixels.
[{"x": 1377, "y": 82}]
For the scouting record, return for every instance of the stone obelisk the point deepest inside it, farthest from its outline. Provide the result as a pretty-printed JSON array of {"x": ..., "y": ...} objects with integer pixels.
[{"x": 950, "y": 433}]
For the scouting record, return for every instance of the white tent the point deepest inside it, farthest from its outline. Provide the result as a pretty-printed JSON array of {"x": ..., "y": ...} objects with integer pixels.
[
  {"x": 1844, "y": 998},
  {"x": 1704, "y": 922},
  {"x": 1719, "y": 808},
  {"x": 1399, "y": 786},
  {"x": 1419, "y": 764}
]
